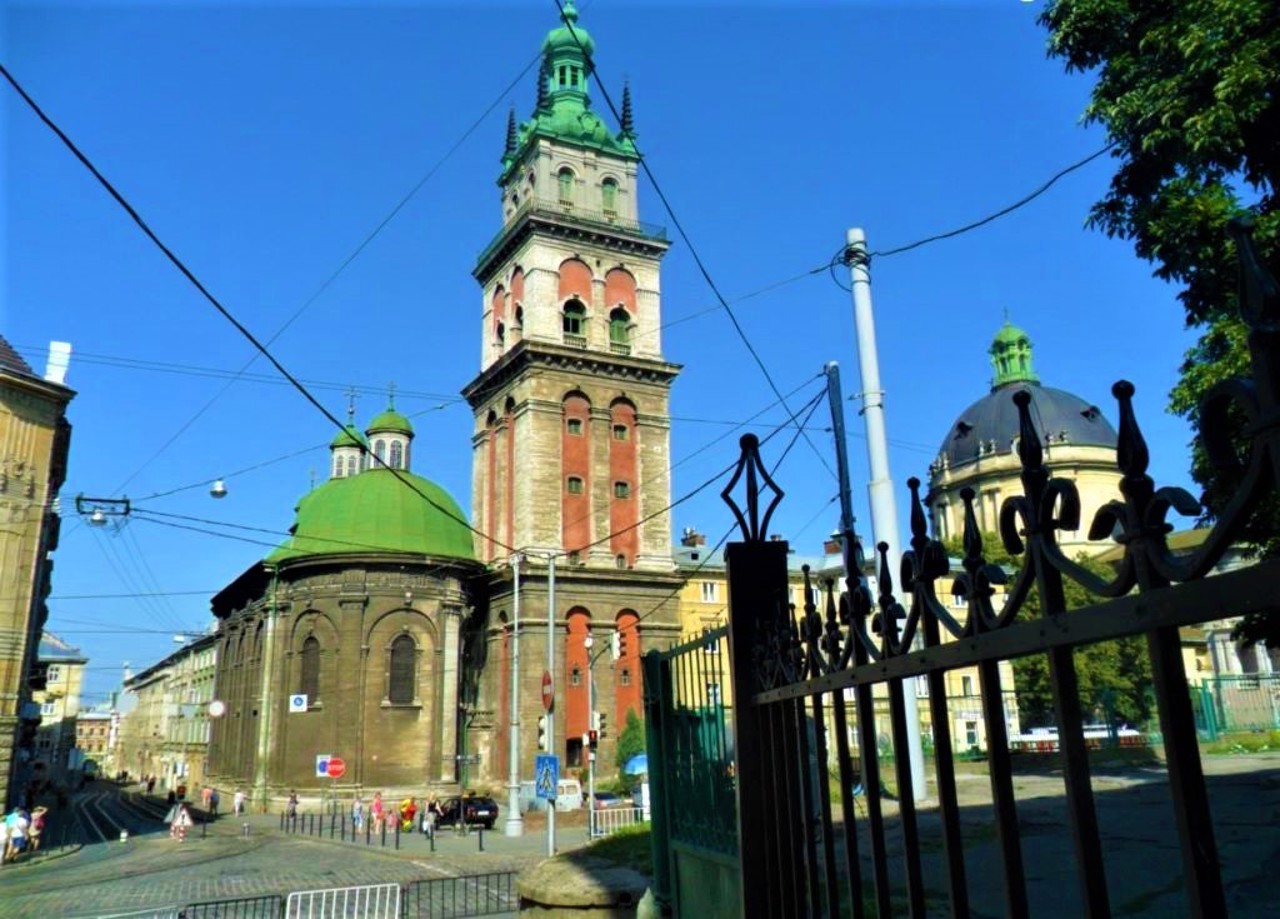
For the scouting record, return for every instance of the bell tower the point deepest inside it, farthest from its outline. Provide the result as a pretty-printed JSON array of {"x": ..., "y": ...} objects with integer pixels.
[{"x": 571, "y": 403}]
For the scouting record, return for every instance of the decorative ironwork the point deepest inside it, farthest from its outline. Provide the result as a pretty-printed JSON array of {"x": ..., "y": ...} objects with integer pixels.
[
  {"x": 801, "y": 664},
  {"x": 754, "y": 528}
]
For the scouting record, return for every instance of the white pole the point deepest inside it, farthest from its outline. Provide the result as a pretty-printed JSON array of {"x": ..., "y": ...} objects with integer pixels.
[
  {"x": 515, "y": 822},
  {"x": 591, "y": 726},
  {"x": 551, "y": 712},
  {"x": 884, "y": 509}
]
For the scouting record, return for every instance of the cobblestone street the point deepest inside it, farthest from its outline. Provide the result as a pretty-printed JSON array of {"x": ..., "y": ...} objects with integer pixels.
[{"x": 152, "y": 871}]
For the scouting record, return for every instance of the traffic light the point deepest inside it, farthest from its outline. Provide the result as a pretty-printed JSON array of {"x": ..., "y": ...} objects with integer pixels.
[
  {"x": 593, "y": 739},
  {"x": 600, "y": 724},
  {"x": 542, "y": 732}
]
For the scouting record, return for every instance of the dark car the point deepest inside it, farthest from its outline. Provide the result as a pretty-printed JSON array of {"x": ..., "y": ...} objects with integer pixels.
[
  {"x": 607, "y": 800},
  {"x": 473, "y": 810}
]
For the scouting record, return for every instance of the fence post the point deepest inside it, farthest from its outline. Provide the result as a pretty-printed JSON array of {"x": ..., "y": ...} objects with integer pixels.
[
  {"x": 481, "y": 836},
  {"x": 657, "y": 692},
  {"x": 397, "y": 839},
  {"x": 383, "y": 843},
  {"x": 282, "y": 821},
  {"x": 333, "y": 819}
]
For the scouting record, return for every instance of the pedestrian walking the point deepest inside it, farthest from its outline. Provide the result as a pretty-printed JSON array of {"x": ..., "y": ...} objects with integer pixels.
[
  {"x": 16, "y": 825},
  {"x": 431, "y": 816},
  {"x": 213, "y": 802},
  {"x": 237, "y": 802},
  {"x": 377, "y": 812},
  {"x": 206, "y": 796},
  {"x": 36, "y": 829},
  {"x": 291, "y": 808},
  {"x": 357, "y": 814}
]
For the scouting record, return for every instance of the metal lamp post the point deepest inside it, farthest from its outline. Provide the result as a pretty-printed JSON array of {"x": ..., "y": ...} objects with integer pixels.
[
  {"x": 515, "y": 822},
  {"x": 587, "y": 642}
]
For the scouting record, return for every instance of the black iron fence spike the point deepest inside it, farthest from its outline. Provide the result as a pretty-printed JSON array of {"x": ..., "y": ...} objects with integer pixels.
[
  {"x": 1132, "y": 456},
  {"x": 1030, "y": 450}
]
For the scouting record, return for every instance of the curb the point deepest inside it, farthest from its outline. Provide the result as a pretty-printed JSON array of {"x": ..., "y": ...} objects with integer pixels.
[{"x": 46, "y": 857}]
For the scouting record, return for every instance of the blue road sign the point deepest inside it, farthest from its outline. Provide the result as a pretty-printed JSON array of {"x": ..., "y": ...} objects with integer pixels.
[{"x": 546, "y": 769}]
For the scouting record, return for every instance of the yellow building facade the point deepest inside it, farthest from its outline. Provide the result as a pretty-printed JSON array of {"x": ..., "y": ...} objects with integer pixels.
[{"x": 34, "y": 441}]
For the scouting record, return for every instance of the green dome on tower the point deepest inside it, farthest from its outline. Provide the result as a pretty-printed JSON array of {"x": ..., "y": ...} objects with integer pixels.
[
  {"x": 349, "y": 436},
  {"x": 377, "y": 513},
  {"x": 390, "y": 421},
  {"x": 1011, "y": 354},
  {"x": 564, "y": 38}
]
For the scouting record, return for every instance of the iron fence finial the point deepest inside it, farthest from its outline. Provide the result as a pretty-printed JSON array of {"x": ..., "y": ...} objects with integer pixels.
[{"x": 754, "y": 527}]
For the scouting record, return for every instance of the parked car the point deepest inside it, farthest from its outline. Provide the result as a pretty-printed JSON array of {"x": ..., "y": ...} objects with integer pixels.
[
  {"x": 607, "y": 799},
  {"x": 473, "y": 810}
]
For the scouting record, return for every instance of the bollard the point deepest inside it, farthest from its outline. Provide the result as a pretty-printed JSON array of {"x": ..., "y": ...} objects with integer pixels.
[
  {"x": 282, "y": 821},
  {"x": 244, "y": 830},
  {"x": 481, "y": 836},
  {"x": 432, "y": 837},
  {"x": 384, "y": 834},
  {"x": 344, "y": 827},
  {"x": 333, "y": 818},
  {"x": 397, "y": 841},
  {"x": 204, "y": 829},
  {"x": 367, "y": 830}
]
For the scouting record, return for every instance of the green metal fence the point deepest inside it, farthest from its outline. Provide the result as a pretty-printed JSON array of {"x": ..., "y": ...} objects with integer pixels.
[{"x": 1236, "y": 703}]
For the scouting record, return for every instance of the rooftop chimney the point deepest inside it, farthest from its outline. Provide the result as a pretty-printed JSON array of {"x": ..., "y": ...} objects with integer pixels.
[{"x": 55, "y": 371}]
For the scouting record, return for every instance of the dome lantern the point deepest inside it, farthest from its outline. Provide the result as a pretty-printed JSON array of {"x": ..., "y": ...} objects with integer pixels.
[{"x": 1011, "y": 354}]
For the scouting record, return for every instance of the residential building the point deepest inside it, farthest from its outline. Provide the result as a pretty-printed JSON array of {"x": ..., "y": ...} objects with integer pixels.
[
  {"x": 96, "y": 736},
  {"x": 60, "y": 670},
  {"x": 34, "y": 440}
]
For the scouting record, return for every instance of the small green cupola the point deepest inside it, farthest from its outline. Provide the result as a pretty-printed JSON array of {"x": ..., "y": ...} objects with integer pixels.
[
  {"x": 390, "y": 434},
  {"x": 347, "y": 449},
  {"x": 1011, "y": 357}
]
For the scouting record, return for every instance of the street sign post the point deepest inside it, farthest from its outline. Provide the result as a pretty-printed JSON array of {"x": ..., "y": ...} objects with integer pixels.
[
  {"x": 547, "y": 694},
  {"x": 546, "y": 770}
]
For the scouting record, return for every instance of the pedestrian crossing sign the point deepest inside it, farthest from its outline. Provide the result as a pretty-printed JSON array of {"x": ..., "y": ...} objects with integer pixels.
[{"x": 546, "y": 769}]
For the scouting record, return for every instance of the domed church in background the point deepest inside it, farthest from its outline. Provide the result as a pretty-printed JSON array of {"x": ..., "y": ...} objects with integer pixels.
[
  {"x": 980, "y": 450},
  {"x": 358, "y": 626}
]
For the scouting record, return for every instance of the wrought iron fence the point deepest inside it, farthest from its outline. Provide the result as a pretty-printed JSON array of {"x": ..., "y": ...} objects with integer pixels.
[
  {"x": 266, "y": 907},
  {"x": 792, "y": 669},
  {"x": 367, "y": 901}
]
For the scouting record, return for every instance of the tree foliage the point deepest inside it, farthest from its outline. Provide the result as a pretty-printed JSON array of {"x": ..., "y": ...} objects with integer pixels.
[
  {"x": 631, "y": 741},
  {"x": 1186, "y": 91},
  {"x": 1113, "y": 675}
]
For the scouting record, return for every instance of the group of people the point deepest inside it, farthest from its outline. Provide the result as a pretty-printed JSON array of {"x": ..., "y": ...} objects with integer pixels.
[
  {"x": 408, "y": 814},
  {"x": 22, "y": 832}
]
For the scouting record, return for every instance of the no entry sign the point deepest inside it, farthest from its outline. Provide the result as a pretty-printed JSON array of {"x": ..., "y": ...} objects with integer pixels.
[
  {"x": 547, "y": 694},
  {"x": 337, "y": 768}
]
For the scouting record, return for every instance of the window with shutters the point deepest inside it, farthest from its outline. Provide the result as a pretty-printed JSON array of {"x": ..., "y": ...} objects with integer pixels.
[
  {"x": 310, "y": 682},
  {"x": 403, "y": 671}
]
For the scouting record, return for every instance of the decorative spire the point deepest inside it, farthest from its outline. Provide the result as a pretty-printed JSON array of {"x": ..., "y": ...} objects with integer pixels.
[
  {"x": 510, "y": 148},
  {"x": 544, "y": 77},
  {"x": 351, "y": 405},
  {"x": 569, "y": 13},
  {"x": 1011, "y": 354},
  {"x": 391, "y": 396},
  {"x": 628, "y": 124}
]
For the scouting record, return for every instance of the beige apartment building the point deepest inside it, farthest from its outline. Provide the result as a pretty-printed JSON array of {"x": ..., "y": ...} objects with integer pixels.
[{"x": 34, "y": 441}]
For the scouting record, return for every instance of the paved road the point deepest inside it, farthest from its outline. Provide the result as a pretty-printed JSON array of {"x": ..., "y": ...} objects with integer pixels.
[{"x": 151, "y": 871}]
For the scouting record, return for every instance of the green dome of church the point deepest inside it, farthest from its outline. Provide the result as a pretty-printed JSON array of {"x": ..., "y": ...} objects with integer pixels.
[
  {"x": 349, "y": 436},
  {"x": 390, "y": 420},
  {"x": 562, "y": 37},
  {"x": 375, "y": 512}
]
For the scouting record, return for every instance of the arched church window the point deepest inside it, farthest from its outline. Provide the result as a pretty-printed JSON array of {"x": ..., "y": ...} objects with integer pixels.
[
  {"x": 397, "y": 454},
  {"x": 565, "y": 178},
  {"x": 337, "y": 467},
  {"x": 619, "y": 331},
  {"x": 609, "y": 196},
  {"x": 575, "y": 318},
  {"x": 309, "y": 685},
  {"x": 380, "y": 451},
  {"x": 402, "y": 669},
  {"x": 352, "y": 465}
]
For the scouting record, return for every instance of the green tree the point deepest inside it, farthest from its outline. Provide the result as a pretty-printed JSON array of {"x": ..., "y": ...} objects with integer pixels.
[
  {"x": 1113, "y": 675},
  {"x": 1186, "y": 91},
  {"x": 631, "y": 740}
]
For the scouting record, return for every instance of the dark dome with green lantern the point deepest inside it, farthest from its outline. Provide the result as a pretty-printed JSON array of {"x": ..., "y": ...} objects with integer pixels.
[
  {"x": 991, "y": 426},
  {"x": 378, "y": 511}
]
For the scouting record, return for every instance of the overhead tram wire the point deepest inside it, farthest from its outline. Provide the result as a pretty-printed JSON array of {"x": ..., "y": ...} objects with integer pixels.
[
  {"x": 990, "y": 218},
  {"x": 62, "y": 598},
  {"x": 697, "y": 259},
  {"x": 222, "y": 310},
  {"x": 729, "y": 532},
  {"x": 369, "y": 238}
]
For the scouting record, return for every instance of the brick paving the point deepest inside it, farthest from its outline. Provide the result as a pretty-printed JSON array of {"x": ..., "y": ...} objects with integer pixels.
[{"x": 152, "y": 871}]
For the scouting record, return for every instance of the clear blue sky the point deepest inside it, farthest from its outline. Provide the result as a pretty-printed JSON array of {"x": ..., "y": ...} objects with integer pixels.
[{"x": 263, "y": 142}]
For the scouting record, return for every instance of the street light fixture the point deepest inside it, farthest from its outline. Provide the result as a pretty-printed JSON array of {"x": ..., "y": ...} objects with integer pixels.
[{"x": 219, "y": 489}]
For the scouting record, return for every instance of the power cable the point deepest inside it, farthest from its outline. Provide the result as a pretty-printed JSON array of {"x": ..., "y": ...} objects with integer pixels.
[
  {"x": 327, "y": 282},
  {"x": 222, "y": 310},
  {"x": 1021, "y": 202},
  {"x": 63, "y": 598},
  {"x": 697, "y": 259}
]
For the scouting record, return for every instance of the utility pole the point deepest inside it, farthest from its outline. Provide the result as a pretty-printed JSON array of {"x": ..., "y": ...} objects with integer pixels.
[
  {"x": 515, "y": 822},
  {"x": 884, "y": 508},
  {"x": 591, "y": 726},
  {"x": 551, "y": 712}
]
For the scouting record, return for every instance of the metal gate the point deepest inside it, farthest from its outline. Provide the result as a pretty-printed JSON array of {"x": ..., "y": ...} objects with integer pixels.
[
  {"x": 794, "y": 670},
  {"x": 369, "y": 901}
]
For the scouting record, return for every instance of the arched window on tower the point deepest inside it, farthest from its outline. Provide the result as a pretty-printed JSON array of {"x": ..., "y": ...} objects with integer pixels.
[
  {"x": 402, "y": 671},
  {"x": 337, "y": 467},
  {"x": 397, "y": 455},
  {"x": 565, "y": 178},
  {"x": 309, "y": 684},
  {"x": 619, "y": 332},
  {"x": 352, "y": 465},
  {"x": 379, "y": 452},
  {"x": 575, "y": 324},
  {"x": 609, "y": 196}
]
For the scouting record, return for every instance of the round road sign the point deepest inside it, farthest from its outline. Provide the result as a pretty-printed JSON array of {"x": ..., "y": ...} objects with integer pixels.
[
  {"x": 337, "y": 768},
  {"x": 547, "y": 694}
]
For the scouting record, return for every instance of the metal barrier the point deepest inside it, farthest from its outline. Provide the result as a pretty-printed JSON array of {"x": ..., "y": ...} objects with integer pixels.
[
  {"x": 267, "y": 907},
  {"x": 470, "y": 895},
  {"x": 369, "y": 901},
  {"x": 607, "y": 820}
]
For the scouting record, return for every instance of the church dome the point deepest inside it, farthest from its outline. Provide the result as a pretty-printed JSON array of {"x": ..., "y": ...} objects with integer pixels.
[
  {"x": 390, "y": 421},
  {"x": 349, "y": 436},
  {"x": 562, "y": 37},
  {"x": 991, "y": 425},
  {"x": 374, "y": 512}
]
